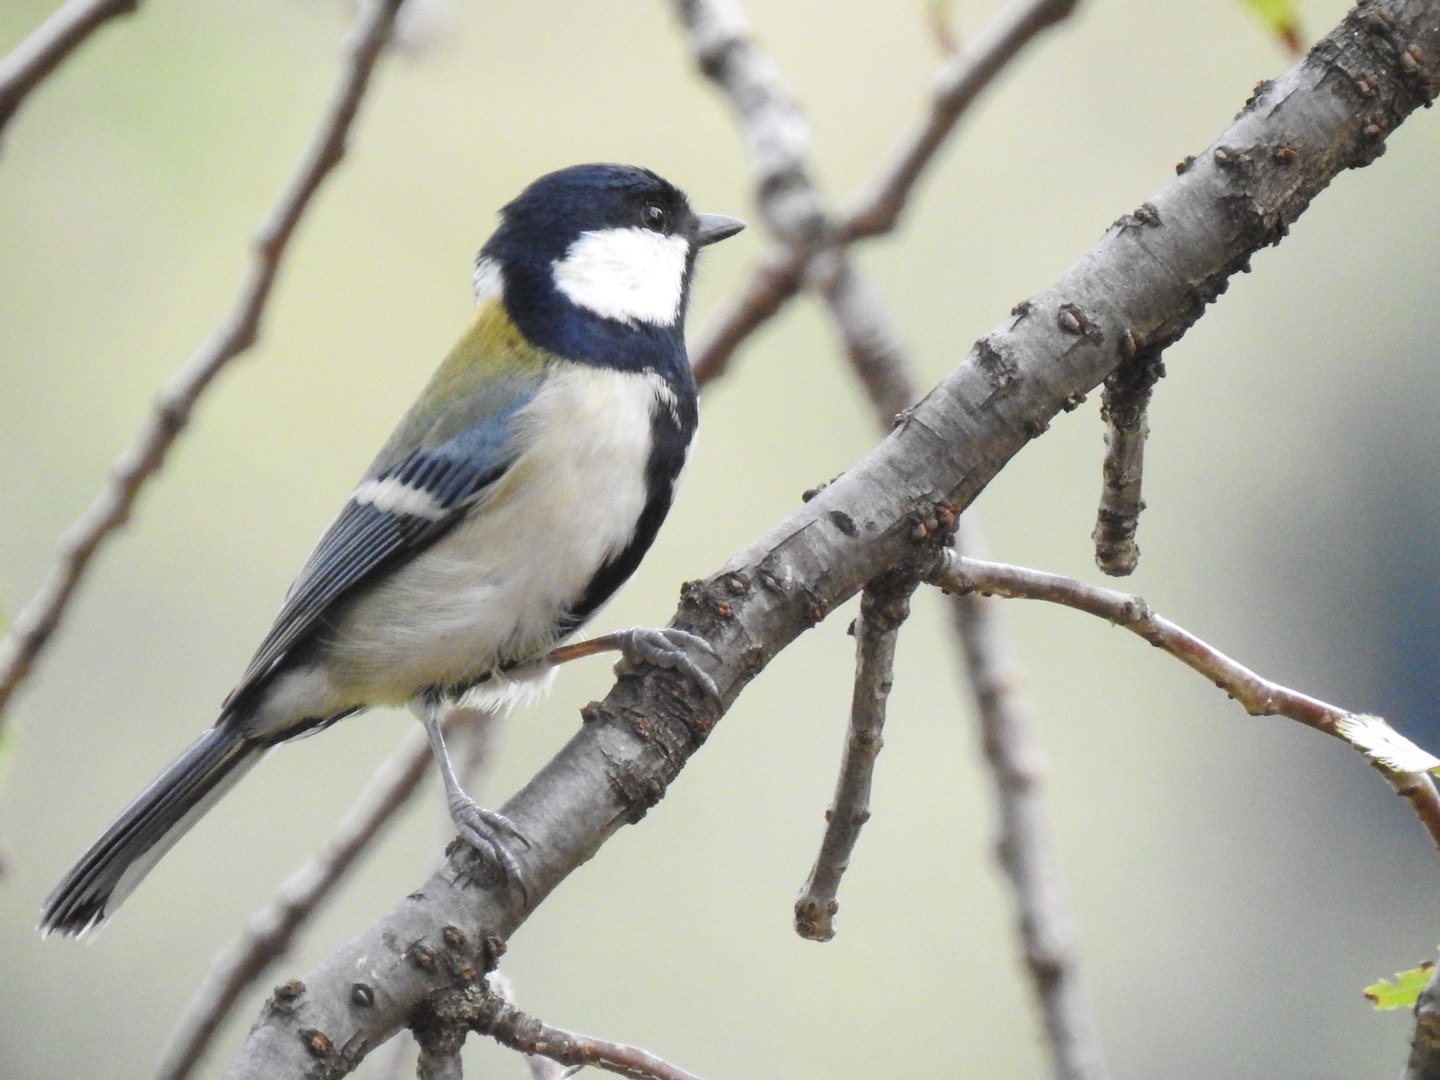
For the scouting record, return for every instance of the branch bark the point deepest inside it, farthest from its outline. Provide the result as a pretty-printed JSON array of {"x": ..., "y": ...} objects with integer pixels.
[
  {"x": 1152, "y": 281},
  {"x": 27, "y": 65}
]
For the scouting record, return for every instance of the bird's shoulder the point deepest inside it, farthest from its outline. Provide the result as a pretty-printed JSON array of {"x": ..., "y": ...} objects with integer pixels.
[{"x": 490, "y": 371}]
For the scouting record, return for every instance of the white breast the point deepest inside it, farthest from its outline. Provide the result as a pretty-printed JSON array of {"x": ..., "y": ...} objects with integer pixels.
[{"x": 492, "y": 589}]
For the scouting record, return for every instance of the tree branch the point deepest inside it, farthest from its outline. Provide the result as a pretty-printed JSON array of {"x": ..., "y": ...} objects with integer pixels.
[
  {"x": 1257, "y": 695},
  {"x": 26, "y": 65},
  {"x": 238, "y": 330},
  {"x": 1124, "y": 407},
  {"x": 1022, "y": 846},
  {"x": 489, "y": 1013},
  {"x": 1152, "y": 281},
  {"x": 783, "y": 271},
  {"x": 884, "y": 607}
]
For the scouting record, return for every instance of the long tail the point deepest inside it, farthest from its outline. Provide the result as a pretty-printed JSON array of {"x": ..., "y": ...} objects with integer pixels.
[{"x": 146, "y": 829}]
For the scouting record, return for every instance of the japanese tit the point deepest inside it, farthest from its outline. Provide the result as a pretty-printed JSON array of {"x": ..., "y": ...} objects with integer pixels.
[{"x": 514, "y": 498}]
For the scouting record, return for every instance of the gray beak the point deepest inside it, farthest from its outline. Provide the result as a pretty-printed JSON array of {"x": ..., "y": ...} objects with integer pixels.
[{"x": 716, "y": 227}]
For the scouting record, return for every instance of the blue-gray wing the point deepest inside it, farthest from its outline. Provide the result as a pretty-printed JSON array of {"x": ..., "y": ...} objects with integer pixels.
[{"x": 392, "y": 515}]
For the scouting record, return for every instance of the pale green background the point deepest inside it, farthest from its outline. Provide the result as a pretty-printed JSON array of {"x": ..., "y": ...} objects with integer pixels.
[{"x": 1237, "y": 880}]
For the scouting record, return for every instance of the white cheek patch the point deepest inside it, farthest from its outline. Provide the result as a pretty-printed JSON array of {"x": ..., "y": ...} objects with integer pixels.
[
  {"x": 487, "y": 281},
  {"x": 632, "y": 275}
]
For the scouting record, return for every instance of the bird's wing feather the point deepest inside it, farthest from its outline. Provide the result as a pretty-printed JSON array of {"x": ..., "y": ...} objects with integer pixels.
[{"x": 400, "y": 508}]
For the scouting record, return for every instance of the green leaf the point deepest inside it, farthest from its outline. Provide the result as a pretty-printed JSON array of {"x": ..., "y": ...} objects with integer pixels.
[
  {"x": 1282, "y": 17},
  {"x": 1403, "y": 992}
]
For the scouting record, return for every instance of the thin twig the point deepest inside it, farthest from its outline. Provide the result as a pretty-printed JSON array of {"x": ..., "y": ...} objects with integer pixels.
[
  {"x": 237, "y": 331},
  {"x": 23, "y": 68},
  {"x": 490, "y": 1014},
  {"x": 1257, "y": 695},
  {"x": 1017, "y": 763},
  {"x": 484, "y": 1006},
  {"x": 877, "y": 209},
  {"x": 272, "y": 930},
  {"x": 957, "y": 84},
  {"x": 1125, "y": 402},
  {"x": 884, "y": 606}
]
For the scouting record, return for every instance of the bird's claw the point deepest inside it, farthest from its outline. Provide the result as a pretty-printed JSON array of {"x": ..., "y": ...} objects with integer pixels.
[
  {"x": 486, "y": 831},
  {"x": 667, "y": 648}
]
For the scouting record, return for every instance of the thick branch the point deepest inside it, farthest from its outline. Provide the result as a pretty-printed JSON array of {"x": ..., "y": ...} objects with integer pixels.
[
  {"x": 50, "y": 43},
  {"x": 1153, "y": 281},
  {"x": 237, "y": 331}
]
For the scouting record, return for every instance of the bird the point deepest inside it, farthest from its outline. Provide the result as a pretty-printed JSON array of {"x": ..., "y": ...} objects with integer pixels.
[{"x": 516, "y": 495}]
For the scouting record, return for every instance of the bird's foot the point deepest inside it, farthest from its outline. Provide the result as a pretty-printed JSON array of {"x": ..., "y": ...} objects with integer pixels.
[
  {"x": 490, "y": 833},
  {"x": 667, "y": 648}
]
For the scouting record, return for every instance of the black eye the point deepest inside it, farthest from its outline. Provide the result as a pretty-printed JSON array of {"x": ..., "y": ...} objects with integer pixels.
[{"x": 654, "y": 216}]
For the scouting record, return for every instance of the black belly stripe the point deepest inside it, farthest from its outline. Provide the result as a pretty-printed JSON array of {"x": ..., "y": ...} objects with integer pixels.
[{"x": 673, "y": 429}]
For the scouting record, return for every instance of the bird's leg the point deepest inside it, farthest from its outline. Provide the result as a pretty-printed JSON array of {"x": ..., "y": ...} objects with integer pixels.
[
  {"x": 484, "y": 830},
  {"x": 664, "y": 648}
]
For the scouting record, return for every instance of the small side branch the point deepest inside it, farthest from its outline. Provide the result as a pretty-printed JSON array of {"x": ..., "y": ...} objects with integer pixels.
[
  {"x": 1402, "y": 763},
  {"x": 239, "y": 329},
  {"x": 1123, "y": 407},
  {"x": 1023, "y": 849},
  {"x": 884, "y": 606},
  {"x": 52, "y": 41},
  {"x": 486, "y": 1012}
]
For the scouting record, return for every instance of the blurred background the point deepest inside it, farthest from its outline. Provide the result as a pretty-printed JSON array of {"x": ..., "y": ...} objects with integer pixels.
[{"x": 1237, "y": 880}]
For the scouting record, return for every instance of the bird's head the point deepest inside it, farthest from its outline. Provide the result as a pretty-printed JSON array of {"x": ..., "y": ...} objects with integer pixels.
[{"x": 595, "y": 261}]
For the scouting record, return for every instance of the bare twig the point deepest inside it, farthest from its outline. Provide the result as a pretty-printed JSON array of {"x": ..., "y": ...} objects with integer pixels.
[
  {"x": 884, "y": 606},
  {"x": 484, "y": 1009},
  {"x": 51, "y": 42},
  {"x": 960, "y": 80},
  {"x": 1124, "y": 404},
  {"x": 1257, "y": 695},
  {"x": 237, "y": 331},
  {"x": 877, "y": 208},
  {"x": 1017, "y": 762},
  {"x": 1424, "y": 1062},
  {"x": 273, "y": 929}
]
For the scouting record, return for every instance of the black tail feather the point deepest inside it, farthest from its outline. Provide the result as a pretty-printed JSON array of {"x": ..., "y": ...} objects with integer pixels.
[{"x": 146, "y": 829}]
